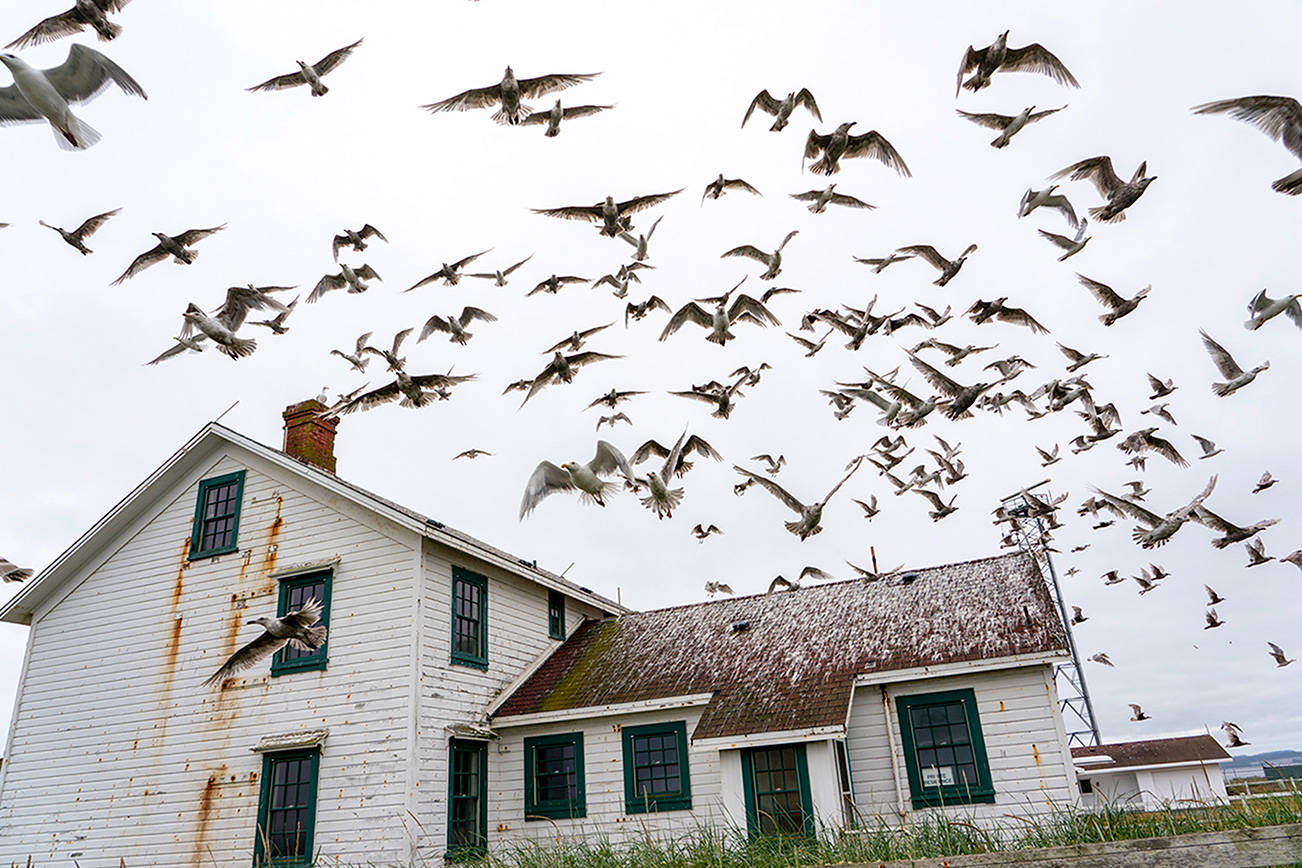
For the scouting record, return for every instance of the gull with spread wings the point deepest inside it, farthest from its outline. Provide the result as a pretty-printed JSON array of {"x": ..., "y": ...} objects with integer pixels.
[
  {"x": 810, "y": 515},
  {"x": 175, "y": 246},
  {"x": 998, "y": 57},
  {"x": 1279, "y": 117},
  {"x": 83, "y": 14},
  {"x": 507, "y": 93},
  {"x": 455, "y": 326},
  {"x": 1109, "y": 298},
  {"x": 961, "y": 397},
  {"x": 839, "y": 143},
  {"x": 782, "y": 109},
  {"x": 1008, "y": 125},
  {"x": 298, "y": 629},
  {"x": 309, "y": 74},
  {"x": 224, "y": 322},
  {"x": 562, "y": 368},
  {"x": 1160, "y": 527},
  {"x": 947, "y": 268},
  {"x": 499, "y": 277},
  {"x": 744, "y": 309},
  {"x": 77, "y": 237},
  {"x": 553, "y": 116},
  {"x": 1120, "y": 194},
  {"x": 356, "y": 239},
  {"x": 353, "y": 278},
  {"x": 449, "y": 274},
  {"x": 819, "y": 200},
  {"x": 409, "y": 391},
  {"x": 721, "y": 185},
  {"x": 772, "y": 261},
  {"x": 614, "y": 217},
  {"x": 45, "y": 94},
  {"x": 1236, "y": 377},
  {"x": 548, "y": 479}
]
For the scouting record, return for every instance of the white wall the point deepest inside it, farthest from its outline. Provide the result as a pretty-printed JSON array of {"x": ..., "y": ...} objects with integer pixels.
[
  {"x": 119, "y": 751},
  {"x": 1024, "y": 734},
  {"x": 1119, "y": 790}
]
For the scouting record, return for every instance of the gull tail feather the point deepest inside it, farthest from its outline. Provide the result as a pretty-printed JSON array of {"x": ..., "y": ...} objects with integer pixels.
[
  {"x": 1103, "y": 215},
  {"x": 312, "y": 641},
  {"x": 1000, "y": 142},
  {"x": 1290, "y": 185},
  {"x": 240, "y": 347},
  {"x": 502, "y": 116},
  {"x": 107, "y": 30},
  {"x": 77, "y": 136}
]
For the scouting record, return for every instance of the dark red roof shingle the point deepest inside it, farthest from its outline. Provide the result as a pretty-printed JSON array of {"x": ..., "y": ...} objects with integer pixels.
[
  {"x": 1156, "y": 751},
  {"x": 794, "y": 666}
]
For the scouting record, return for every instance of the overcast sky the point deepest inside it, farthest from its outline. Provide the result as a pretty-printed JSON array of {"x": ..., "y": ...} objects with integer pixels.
[{"x": 86, "y": 421}]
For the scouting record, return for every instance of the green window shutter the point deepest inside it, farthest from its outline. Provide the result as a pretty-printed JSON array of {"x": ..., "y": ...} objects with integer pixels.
[
  {"x": 656, "y": 773},
  {"x": 775, "y": 784},
  {"x": 556, "y": 614},
  {"x": 553, "y": 777},
  {"x": 469, "y": 619},
  {"x": 217, "y": 516},
  {"x": 294, "y": 592},
  {"x": 287, "y": 809},
  {"x": 944, "y": 750},
  {"x": 467, "y": 799}
]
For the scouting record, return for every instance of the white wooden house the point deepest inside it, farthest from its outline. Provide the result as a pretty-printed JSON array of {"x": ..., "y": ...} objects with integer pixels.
[
  {"x": 497, "y": 702},
  {"x": 1184, "y": 771}
]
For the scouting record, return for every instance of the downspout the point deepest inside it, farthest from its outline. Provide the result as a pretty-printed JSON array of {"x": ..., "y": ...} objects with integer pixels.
[{"x": 895, "y": 762}]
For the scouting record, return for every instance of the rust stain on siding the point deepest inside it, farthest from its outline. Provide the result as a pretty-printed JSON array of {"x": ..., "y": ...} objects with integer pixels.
[
  {"x": 207, "y": 808},
  {"x": 1035, "y": 752}
]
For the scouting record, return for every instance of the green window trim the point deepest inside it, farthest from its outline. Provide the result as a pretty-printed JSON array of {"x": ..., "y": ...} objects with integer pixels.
[
  {"x": 318, "y": 660},
  {"x": 477, "y": 754},
  {"x": 643, "y": 803},
  {"x": 555, "y": 615},
  {"x": 957, "y": 794},
  {"x": 576, "y": 805},
  {"x": 262, "y": 837},
  {"x": 197, "y": 530},
  {"x": 479, "y": 600},
  {"x": 748, "y": 788}
]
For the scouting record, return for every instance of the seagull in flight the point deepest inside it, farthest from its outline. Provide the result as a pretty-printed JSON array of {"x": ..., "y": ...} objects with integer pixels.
[
  {"x": 614, "y": 217},
  {"x": 1008, "y": 125},
  {"x": 83, "y": 14},
  {"x": 46, "y": 94},
  {"x": 222, "y": 325},
  {"x": 547, "y": 478},
  {"x": 1236, "y": 377},
  {"x": 1279, "y": 117},
  {"x": 819, "y": 200},
  {"x": 409, "y": 391},
  {"x": 998, "y": 57},
  {"x": 721, "y": 185},
  {"x": 811, "y": 515},
  {"x": 1120, "y": 194},
  {"x": 782, "y": 109},
  {"x": 353, "y": 278},
  {"x": 507, "y": 95},
  {"x": 772, "y": 261},
  {"x": 449, "y": 274},
  {"x": 175, "y": 246},
  {"x": 356, "y": 239},
  {"x": 499, "y": 277},
  {"x": 299, "y": 629},
  {"x": 553, "y": 117},
  {"x": 839, "y": 143},
  {"x": 1046, "y": 198},
  {"x": 947, "y": 268},
  {"x": 309, "y": 74},
  {"x": 77, "y": 237}
]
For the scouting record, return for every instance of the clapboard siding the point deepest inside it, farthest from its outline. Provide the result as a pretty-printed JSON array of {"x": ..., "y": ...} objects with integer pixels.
[
  {"x": 1024, "y": 736},
  {"x": 603, "y": 765},
  {"x": 118, "y": 751},
  {"x": 517, "y": 636}
]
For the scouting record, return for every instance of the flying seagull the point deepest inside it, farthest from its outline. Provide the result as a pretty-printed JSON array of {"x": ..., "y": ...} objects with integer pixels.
[
  {"x": 1265, "y": 482},
  {"x": 499, "y": 277},
  {"x": 277, "y": 323},
  {"x": 1008, "y": 125},
  {"x": 1257, "y": 553},
  {"x": 1230, "y": 533},
  {"x": 83, "y": 14},
  {"x": 641, "y": 243},
  {"x": 1278, "y": 653},
  {"x": 811, "y": 516},
  {"x": 713, "y": 588},
  {"x": 356, "y": 239},
  {"x": 1279, "y": 117},
  {"x": 839, "y": 143},
  {"x": 879, "y": 264},
  {"x": 819, "y": 200},
  {"x": 702, "y": 533},
  {"x": 997, "y": 57},
  {"x": 77, "y": 237},
  {"x": 1078, "y": 359},
  {"x": 553, "y": 117},
  {"x": 357, "y": 358},
  {"x": 45, "y": 94},
  {"x": 547, "y": 478},
  {"x": 1046, "y": 198},
  {"x": 1138, "y": 713},
  {"x": 1103, "y": 658},
  {"x": 353, "y": 278},
  {"x": 1071, "y": 245},
  {"x": 553, "y": 283},
  {"x": 562, "y": 369},
  {"x": 309, "y": 74},
  {"x": 449, "y": 274},
  {"x": 1109, "y": 298},
  {"x": 772, "y": 261},
  {"x": 782, "y": 109},
  {"x": 653, "y": 448},
  {"x": 507, "y": 93},
  {"x": 614, "y": 217},
  {"x": 576, "y": 339},
  {"x": 744, "y": 308},
  {"x": 1208, "y": 447},
  {"x": 612, "y": 398},
  {"x": 983, "y": 311},
  {"x": 409, "y": 391},
  {"x": 472, "y": 454},
  {"x": 1263, "y": 308},
  {"x": 612, "y": 420},
  {"x": 1145, "y": 441},
  {"x": 1236, "y": 377},
  {"x": 946, "y": 268},
  {"x": 455, "y": 326},
  {"x": 175, "y": 246},
  {"x": 222, "y": 325},
  {"x": 1212, "y": 597},
  {"x": 721, "y": 185},
  {"x": 1160, "y": 528},
  {"x": 1120, "y": 194},
  {"x": 661, "y": 499},
  {"x": 11, "y": 572},
  {"x": 298, "y": 629}
]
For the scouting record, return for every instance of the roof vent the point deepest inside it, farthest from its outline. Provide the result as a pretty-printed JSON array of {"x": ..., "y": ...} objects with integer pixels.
[
  {"x": 908, "y": 578},
  {"x": 739, "y": 626}
]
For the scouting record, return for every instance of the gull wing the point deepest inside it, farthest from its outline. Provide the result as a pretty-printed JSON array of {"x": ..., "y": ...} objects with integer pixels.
[
  {"x": 932, "y": 496},
  {"x": 306, "y": 615},
  {"x": 433, "y": 381},
  {"x": 545, "y": 479},
  {"x": 972, "y": 58},
  {"x": 435, "y": 323},
  {"x": 326, "y": 284},
  {"x": 700, "y": 447},
  {"x": 1223, "y": 360},
  {"x": 690, "y": 312},
  {"x": 745, "y": 304},
  {"x": 1035, "y": 116},
  {"x": 591, "y": 213},
  {"x": 544, "y": 84},
  {"x": 1060, "y": 202},
  {"x": 1134, "y": 510},
  {"x": 1101, "y": 291},
  {"x": 927, "y": 252},
  {"x": 476, "y": 97},
  {"x": 1060, "y": 240},
  {"x": 368, "y": 230},
  {"x": 260, "y": 648},
  {"x": 86, "y": 73},
  {"x": 993, "y": 121},
  {"x": 175, "y": 349},
  {"x": 88, "y": 228},
  {"x": 1279, "y": 117},
  {"x": 641, "y": 203},
  {"x": 239, "y": 301},
  {"x": 773, "y": 488},
  {"x": 52, "y": 28},
  {"x": 1097, "y": 170},
  {"x": 334, "y": 58},
  {"x": 873, "y": 144},
  {"x": 1036, "y": 58},
  {"x": 470, "y": 314},
  {"x": 192, "y": 236},
  {"x": 938, "y": 380},
  {"x": 279, "y": 82},
  {"x": 153, "y": 256},
  {"x": 339, "y": 241},
  {"x": 580, "y": 111},
  {"x": 373, "y": 398},
  {"x": 750, "y": 251},
  {"x": 858, "y": 462},
  {"x": 608, "y": 459},
  {"x": 462, "y": 263},
  {"x": 805, "y": 98},
  {"x": 15, "y": 109},
  {"x": 1204, "y": 516},
  {"x": 765, "y": 101},
  {"x": 851, "y": 202},
  {"x": 1019, "y": 316},
  {"x": 815, "y": 144},
  {"x": 1167, "y": 450}
]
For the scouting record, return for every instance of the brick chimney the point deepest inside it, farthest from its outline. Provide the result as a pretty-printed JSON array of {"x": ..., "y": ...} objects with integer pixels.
[{"x": 308, "y": 437}]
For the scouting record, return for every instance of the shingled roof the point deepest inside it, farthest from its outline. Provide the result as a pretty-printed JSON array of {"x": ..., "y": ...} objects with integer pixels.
[
  {"x": 794, "y": 665},
  {"x": 1153, "y": 752}
]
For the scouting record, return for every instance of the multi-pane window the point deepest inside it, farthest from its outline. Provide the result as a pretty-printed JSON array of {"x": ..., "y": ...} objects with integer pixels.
[
  {"x": 553, "y": 776},
  {"x": 469, "y": 619},
  {"x": 943, "y": 749},
  {"x": 295, "y": 591},
  {"x": 217, "y": 515},
  {"x": 776, "y": 782},
  {"x": 467, "y": 812},
  {"x": 556, "y": 614},
  {"x": 287, "y": 809},
  {"x": 656, "y": 774}
]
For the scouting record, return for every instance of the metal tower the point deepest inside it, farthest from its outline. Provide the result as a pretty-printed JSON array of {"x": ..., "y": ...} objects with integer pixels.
[{"x": 1031, "y": 534}]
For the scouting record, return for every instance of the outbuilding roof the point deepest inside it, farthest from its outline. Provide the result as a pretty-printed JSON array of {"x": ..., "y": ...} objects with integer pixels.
[
  {"x": 793, "y": 664},
  {"x": 1153, "y": 752}
]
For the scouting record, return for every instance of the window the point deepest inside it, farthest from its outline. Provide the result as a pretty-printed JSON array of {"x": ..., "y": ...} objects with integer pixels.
[
  {"x": 556, "y": 614},
  {"x": 1086, "y": 786},
  {"x": 294, "y": 592},
  {"x": 467, "y": 811},
  {"x": 469, "y": 619},
  {"x": 944, "y": 750},
  {"x": 217, "y": 516},
  {"x": 655, "y": 768},
  {"x": 849, "y": 813},
  {"x": 287, "y": 809},
  {"x": 553, "y": 777},
  {"x": 775, "y": 781}
]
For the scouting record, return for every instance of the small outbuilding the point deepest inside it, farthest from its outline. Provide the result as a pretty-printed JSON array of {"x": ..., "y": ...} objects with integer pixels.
[{"x": 1160, "y": 772}]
